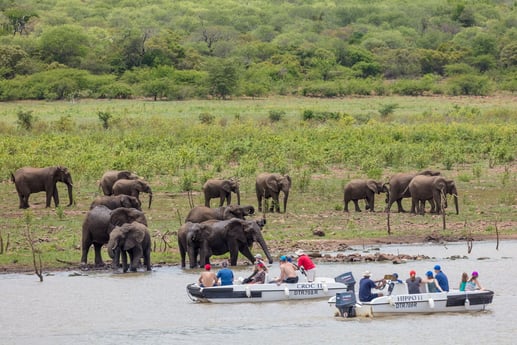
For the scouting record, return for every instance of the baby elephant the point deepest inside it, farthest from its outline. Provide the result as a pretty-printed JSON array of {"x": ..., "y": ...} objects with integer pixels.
[
  {"x": 356, "y": 190},
  {"x": 133, "y": 239}
]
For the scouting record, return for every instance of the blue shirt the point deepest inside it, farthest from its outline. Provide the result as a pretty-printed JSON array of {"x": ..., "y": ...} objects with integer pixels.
[
  {"x": 442, "y": 280},
  {"x": 365, "y": 290},
  {"x": 226, "y": 276}
]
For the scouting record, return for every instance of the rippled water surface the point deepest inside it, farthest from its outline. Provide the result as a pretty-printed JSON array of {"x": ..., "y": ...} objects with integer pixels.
[{"x": 153, "y": 308}]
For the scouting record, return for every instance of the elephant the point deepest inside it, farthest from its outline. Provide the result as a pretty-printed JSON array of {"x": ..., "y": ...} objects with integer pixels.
[
  {"x": 269, "y": 186},
  {"x": 363, "y": 189},
  {"x": 433, "y": 188},
  {"x": 111, "y": 176},
  {"x": 398, "y": 190},
  {"x": 98, "y": 224},
  {"x": 133, "y": 239},
  {"x": 33, "y": 180},
  {"x": 216, "y": 237},
  {"x": 200, "y": 214},
  {"x": 115, "y": 201},
  {"x": 221, "y": 189},
  {"x": 133, "y": 188}
]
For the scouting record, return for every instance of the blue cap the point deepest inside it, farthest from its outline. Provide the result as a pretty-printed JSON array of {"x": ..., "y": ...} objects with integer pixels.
[
  {"x": 429, "y": 274},
  {"x": 395, "y": 275},
  {"x": 437, "y": 267},
  {"x": 283, "y": 258}
]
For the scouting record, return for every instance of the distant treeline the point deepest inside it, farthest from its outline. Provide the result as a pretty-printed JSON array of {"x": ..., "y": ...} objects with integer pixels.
[{"x": 66, "y": 49}]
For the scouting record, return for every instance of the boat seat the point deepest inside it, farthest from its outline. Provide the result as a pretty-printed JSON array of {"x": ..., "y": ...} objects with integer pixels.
[{"x": 399, "y": 288}]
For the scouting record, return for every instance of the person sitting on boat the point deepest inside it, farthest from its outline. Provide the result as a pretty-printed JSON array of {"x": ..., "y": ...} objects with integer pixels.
[
  {"x": 366, "y": 285},
  {"x": 258, "y": 261},
  {"x": 464, "y": 280},
  {"x": 394, "y": 280},
  {"x": 260, "y": 277},
  {"x": 305, "y": 261},
  {"x": 443, "y": 281},
  {"x": 432, "y": 283},
  {"x": 225, "y": 275},
  {"x": 207, "y": 278},
  {"x": 413, "y": 282},
  {"x": 287, "y": 272},
  {"x": 473, "y": 283}
]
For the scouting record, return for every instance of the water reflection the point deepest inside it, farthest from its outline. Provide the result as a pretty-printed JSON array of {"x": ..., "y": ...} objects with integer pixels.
[{"x": 153, "y": 308}]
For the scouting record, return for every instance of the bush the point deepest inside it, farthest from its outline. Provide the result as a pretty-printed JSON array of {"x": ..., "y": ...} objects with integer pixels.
[
  {"x": 468, "y": 84},
  {"x": 276, "y": 115},
  {"x": 25, "y": 119}
]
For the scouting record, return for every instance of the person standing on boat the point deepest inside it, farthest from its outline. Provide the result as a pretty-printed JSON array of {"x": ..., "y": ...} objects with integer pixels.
[
  {"x": 207, "y": 278},
  {"x": 441, "y": 277},
  {"x": 287, "y": 272},
  {"x": 473, "y": 283},
  {"x": 366, "y": 285},
  {"x": 432, "y": 283},
  {"x": 305, "y": 261},
  {"x": 413, "y": 282},
  {"x": 225, "y": 275}
]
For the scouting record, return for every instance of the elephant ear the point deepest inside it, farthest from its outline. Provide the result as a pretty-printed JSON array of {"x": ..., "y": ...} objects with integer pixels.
[
  {"x": 134, "y": 234},
  {"x": 125, "y": 200},
  {"x": 226, "y": 186},
  {"x": 272, "y": 184},
  {"x": 372, "y": 185}
]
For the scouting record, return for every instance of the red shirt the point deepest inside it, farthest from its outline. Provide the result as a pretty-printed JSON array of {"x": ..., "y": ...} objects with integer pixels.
[{"x": 306, "y": 262}]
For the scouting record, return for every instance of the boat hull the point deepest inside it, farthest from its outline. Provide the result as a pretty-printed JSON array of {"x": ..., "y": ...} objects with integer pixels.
[{"x": 322, "y": 288}]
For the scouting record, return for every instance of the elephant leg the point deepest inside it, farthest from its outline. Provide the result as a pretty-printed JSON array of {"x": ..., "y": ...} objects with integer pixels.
[
  {"x": 182, "y": 255},
  {"x": 123, "y": 253},
  {"x": 356, "y": 203},
  {"x": 245, "y": 250},
  {"x": 56, "y": 198},
  {"x": 221, "y": 201},
  {"x": 414, "y": 205},
  {"x": 345, "y": 208},
  {"x": 85, "y": 249},
  {"x": 234, "y": 254},
  {"x": 399, "y": 205},
  {"x": 371, "y": 203},
  {"x": 98, "y": 257},
  {"x": 135, "y": 256}
]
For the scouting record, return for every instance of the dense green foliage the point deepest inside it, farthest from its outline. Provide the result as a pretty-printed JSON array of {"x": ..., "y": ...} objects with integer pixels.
[{"x": 68, "y": 49}]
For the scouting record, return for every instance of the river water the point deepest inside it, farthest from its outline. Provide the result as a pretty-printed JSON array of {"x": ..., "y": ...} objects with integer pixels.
[{"x": 153, "y": 308}]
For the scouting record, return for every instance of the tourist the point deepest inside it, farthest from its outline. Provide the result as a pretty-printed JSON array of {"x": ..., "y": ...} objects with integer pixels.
[
  {"x": 287, "y": 272},
  {"x": 225, "y": 275},
  {"x": 366, "y": 285},
  {"x": 413, "y": 283},
  {"x": 432, "y": 283},
  {"x": 260, "y": 277},
  {"x": 441, "y": 278},
  {"x": 207, "y": 278},
  {"x": 305, "y": 261},
  {"x": 464, "y": 279},
  {"x": 473, "y": 283}
]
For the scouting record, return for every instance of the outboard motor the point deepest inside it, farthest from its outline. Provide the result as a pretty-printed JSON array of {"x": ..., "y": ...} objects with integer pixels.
[
  {"x": 345, "y": 303},
  {"x": 347, "y": 279}
]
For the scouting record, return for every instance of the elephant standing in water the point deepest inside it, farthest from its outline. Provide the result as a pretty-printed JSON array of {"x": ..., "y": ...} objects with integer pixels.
[
  {"x": 33, "y": 180},
  {"x": 133, "y": 188},
  {"x": 98, "y": 224},
  {"x": 434, "y": 189},
  {"x": 200, "y": 214},
  {"x": 111, "y": 176},
  {"x": 133, "y": 239},
  {"x": 363, "y": 189},
  {"x": 398, "y": 187},
  {"x": 221, "y": 189},
  {"x": 269, "y": 186},
  {"x": 220, "y": 237}
]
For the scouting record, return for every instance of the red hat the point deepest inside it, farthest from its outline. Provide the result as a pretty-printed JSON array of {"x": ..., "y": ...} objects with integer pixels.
[
  {"x": 260, "y": 264},
  {"x": 208, "y": 267},
  {"x": 412, "y": 273}
]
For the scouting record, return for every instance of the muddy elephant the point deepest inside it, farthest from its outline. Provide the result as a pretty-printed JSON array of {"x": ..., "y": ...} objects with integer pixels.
[
  {"x": 133, "y": 239},
  {"x": 356, "y": 190},
  {"x": 33, "y": 180},
  {"x": 111, "y": 176},
  {"x": 433, "y": 188},
  {"x": 398, "y": 190},
  {"x": 200, "y": 214},
  {"x": 269, "y": 186},
  {"x": 98, "y": 224},
  {"x": 221, "y": 189},
  {"x": 220, "y": 237},
  {"x": 133, "y": 188},
  {"x": 115, "y": 201}
]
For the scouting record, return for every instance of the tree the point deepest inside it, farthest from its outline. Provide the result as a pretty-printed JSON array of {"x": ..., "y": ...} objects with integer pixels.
[
  {"x": 65, "y": 44},
  {"x": 222, "y": 77},
  {"x": 18, "y": 19},
  {"x": 10, "y": 56}
]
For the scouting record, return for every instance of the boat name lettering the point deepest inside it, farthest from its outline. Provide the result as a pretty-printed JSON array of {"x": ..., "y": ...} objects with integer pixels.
[
  {"x": 409, "y": 298},
  {"x": 305, "y": 292},
  {"x": 309, "y": 286},
  {"x": 405, "y": 305}
]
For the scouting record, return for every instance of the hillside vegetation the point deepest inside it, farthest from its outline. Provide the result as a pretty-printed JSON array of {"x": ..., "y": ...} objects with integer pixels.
[{"x": 69, "y": 49}]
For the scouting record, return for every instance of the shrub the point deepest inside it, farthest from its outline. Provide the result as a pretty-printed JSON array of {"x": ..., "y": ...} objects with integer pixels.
[
  {"x": 104, "y": 117},
  {"x": 276, "y": 115},
  {"x": 25, "y": 119},
  {"x": 206, "y": 118}
]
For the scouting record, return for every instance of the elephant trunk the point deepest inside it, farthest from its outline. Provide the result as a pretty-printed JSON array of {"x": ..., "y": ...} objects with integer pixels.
[
  {"x": 455, "y": 196},
  {"x": 263, "y": 244},
  {"x": 70, "y": 197},
  {"x": 286, "y": 196},
  {"x": 238, "y": 197},
  {"x": 150, "y": 198}
]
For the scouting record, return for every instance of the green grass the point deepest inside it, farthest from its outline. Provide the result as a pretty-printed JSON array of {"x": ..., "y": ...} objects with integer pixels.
[{"x": 167, "y": 143}]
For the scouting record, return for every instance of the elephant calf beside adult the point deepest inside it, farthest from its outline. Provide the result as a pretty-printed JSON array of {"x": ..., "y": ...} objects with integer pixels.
[
  {"x": 356, "y": 190},
  {"x": 200, "y": 214},
  {"x": 222, "y": 189},
  {"x": 432, "y": 188},
  {"x": 133, "y": 188},
  {"x": 109, "y": 178},
  {"x": 33, "y": 180},
  {"x": 220, "y": 237},
  {"x": 398, "y": 187},
  {"x": 99, "y": 223},
  {"x": 133, "y": 239},
  {"x": 269, "y": 186}
]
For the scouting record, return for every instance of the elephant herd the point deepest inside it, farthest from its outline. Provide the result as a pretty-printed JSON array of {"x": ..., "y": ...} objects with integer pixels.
[{"x": 427, "y": 185}]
